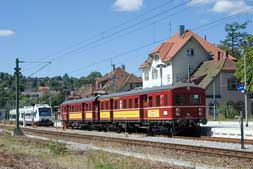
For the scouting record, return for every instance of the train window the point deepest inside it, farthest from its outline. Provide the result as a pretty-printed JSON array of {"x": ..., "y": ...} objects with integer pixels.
[
  {"x": 130, "y": 103},
  {"x": 166, "y": 100},
  {"x": 195, "y": 99},
  {"x": 158, "y": 100},
  {"x": 86, "y": 107},
  {"x": 116, "y": 104},
  {"x": 106, "y": 105},
  {"x": 124, "y": 104},
  {"x": 120, "y": 104},
  {"x": 150, "y": 101},
  {"x": 136, "y": 104},
  {"x": 102, "y": 105},
  {"x": 180, "y": 99}
]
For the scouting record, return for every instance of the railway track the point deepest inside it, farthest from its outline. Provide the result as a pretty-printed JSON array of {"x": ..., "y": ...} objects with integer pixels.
[
  {"x": 216, "y": 139},
  {"x": 77, "y": 137}
]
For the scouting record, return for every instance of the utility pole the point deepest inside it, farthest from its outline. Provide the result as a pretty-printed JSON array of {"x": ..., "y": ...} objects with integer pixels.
[
  {"x": 17, "y": 130},
  {"x": 214, "y": 99},
  {"x": 245, "y": 82},
  {"x": 189, "y": 69}
]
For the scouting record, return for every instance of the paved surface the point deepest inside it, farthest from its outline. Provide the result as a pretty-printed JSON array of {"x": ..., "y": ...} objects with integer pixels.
[{"x": 230, "y": 129}]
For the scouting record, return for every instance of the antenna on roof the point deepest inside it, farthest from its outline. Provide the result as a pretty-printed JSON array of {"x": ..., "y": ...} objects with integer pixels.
[{"x": 170, "y": 28}]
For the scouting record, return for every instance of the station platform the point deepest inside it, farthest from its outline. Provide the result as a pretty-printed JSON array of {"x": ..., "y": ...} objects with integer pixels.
[{"x": 228, "y": 129}]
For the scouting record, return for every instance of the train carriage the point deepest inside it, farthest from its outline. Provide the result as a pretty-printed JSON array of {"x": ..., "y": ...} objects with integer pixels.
[{"x": 174, "y": 107}]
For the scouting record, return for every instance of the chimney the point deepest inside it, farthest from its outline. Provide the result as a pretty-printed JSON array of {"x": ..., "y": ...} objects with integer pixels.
[
  {"x": 113, "y": 67},
  {"x": 181, "y": 30},
  {"x": 123, "y": 67}
]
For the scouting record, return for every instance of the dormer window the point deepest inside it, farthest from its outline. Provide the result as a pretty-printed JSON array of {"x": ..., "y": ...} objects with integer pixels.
[
  {"x": 156, "y": 58},
  {"x": 154, "y": 73},
  {"x": 190, "y": 52}
]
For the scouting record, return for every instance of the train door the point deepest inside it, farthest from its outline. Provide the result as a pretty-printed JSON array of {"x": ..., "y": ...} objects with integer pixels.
[
  {"x": 96, "y": 110},
  {"x": 67, "y": 114},
  {"x": 143, "y": 106},
  {"x": 111, "y": 109},
  {"x": 83, "y": 111}
]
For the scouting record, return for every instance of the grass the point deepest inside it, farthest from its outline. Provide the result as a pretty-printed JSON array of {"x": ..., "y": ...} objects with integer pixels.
[{"x": 56, "y": 153}]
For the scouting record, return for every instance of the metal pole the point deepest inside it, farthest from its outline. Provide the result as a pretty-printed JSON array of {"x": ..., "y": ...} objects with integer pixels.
[
  {"x": 189, "y": 73},
  {"x": 214, "y": 101},
  {"x": 17, "y": 131},
  {"x": 242, "y": 131},
  {"x": 245, "y": 88}
]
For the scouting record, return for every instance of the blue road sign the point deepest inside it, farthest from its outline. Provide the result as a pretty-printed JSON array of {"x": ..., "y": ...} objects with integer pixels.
[{"x": 240, "y": 87}]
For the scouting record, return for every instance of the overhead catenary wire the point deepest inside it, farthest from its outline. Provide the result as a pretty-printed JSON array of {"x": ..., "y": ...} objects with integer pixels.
[
  {"x": 103, "y": 37},
  {"x": 150, "y": 44}
]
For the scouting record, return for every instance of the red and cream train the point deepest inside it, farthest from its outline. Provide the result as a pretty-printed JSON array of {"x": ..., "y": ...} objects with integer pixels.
[{"x": 172, "y": 107}]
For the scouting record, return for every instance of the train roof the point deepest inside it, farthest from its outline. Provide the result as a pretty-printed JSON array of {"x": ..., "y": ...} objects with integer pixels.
[{"x": 132, "y": 92}]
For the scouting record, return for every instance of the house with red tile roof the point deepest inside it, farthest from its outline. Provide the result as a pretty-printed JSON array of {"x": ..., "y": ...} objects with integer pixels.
[
  {"x": 117, "y": 80},
  {"x": 187, "y": 57}
]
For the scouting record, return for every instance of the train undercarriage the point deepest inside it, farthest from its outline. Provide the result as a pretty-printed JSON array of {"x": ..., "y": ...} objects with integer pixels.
[{"x": 186, "y": 127}]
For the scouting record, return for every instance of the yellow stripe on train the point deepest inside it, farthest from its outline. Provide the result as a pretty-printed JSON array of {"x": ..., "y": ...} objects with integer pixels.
[
  {"x": 126, "y": 114},
  {"x": 104, "y": 114},
  {"x": 88, "y": 115},
  {"x": 75, "y": 115}
]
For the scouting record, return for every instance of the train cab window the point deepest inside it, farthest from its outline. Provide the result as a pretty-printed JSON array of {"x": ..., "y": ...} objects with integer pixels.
[
  {"x": 158, "y": 100},
  {"x": 150, "y": 101},
  {"x": 166, "y": 100},
  {"x": 180, "y": 99},
  {"x": 116, "y": 104},
  {"x": 136, "y": 103},
  {"x": 195, "y": 99},
  {"x": 106, "y": 105},
  {"x": 124, "y": 104},
  {"x": 130, "y": 103}
]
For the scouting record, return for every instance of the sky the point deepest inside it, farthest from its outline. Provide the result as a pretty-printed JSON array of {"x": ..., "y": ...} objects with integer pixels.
[{"x": 81, "y": 36}]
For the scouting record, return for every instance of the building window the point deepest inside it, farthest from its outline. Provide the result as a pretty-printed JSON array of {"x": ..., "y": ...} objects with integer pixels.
[
  {"x": 146, "y": 75},
  {"x": 190, "y": 52},
  {"x": 154, "y": 73},
  {"x": 232, "y": 83},
  {"x": 156, "y": 58},
  {"x": 168, "y": 78},
  {"x": 178, "y": 77}
]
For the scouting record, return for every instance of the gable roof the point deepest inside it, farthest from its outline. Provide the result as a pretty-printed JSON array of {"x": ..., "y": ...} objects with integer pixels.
[
  {"x": 208, "y": 70},
  {"x": 167, "y": 50}
]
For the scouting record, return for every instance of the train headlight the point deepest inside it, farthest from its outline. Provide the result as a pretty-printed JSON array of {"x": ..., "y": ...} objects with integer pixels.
[
  {"x": 200, "y": 111},
  {"x": 188, "y": 114},
  {"x": 178, "y": 111}
]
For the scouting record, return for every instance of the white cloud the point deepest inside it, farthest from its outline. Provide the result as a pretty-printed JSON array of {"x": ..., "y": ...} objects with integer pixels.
[
  {"x": 231, "y": 7},
  {"x": 128, "y": 5},
  {"x": 6, "y": 32},
  {"x": 224, "y": 6}
]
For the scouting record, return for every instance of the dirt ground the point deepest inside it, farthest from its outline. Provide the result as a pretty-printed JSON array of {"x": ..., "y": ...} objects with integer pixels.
[{"x": 21, "y": 161}]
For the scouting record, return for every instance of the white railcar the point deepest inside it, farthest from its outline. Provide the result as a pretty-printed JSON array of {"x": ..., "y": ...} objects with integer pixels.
[{"x": 40, "y": 114}]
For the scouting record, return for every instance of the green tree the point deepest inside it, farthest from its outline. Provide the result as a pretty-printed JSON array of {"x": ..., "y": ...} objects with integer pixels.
[
  {"x": 249, "y": 68},
  {"x": 234, "y": 37}
]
